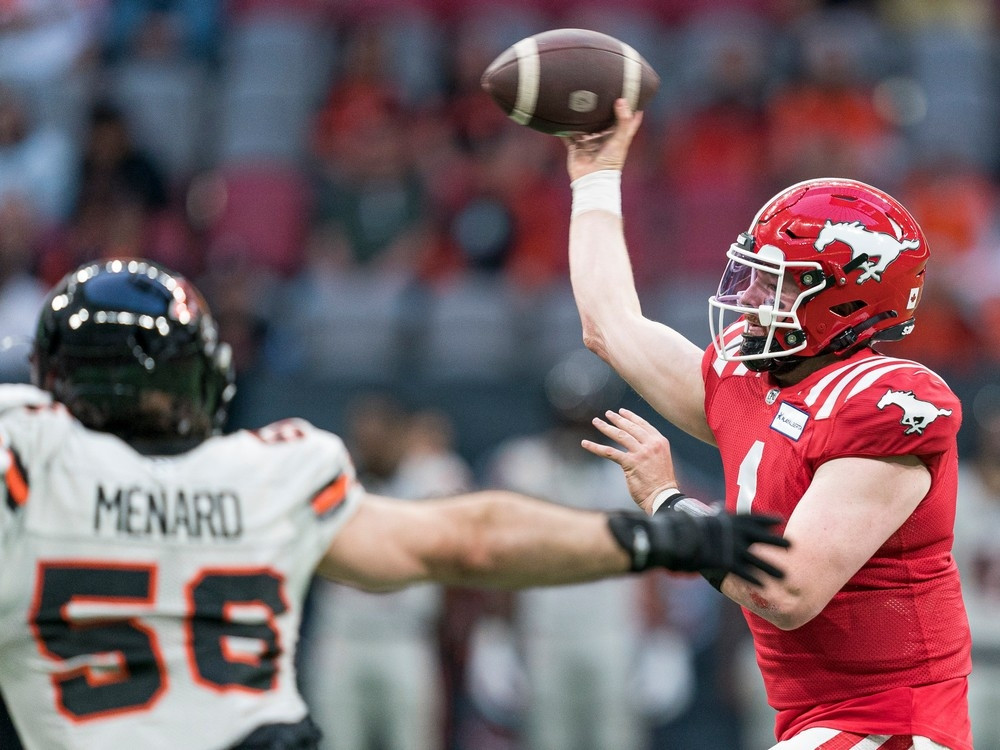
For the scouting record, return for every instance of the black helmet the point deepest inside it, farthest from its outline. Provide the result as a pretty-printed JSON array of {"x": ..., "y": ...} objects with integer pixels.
[{"x": 131, "y": 348}]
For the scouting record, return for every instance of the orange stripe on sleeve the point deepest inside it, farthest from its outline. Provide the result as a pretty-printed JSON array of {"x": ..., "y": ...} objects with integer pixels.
[
  {"x": 17, "y": 487},
  {"x": 330, "y": 496}
]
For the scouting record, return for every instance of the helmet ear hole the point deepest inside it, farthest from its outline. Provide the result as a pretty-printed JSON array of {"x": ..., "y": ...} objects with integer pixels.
[{"x": 846, "y": 309}]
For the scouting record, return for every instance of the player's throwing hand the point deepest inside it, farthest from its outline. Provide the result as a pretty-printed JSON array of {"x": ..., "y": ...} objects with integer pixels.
[{"x": 593, "y": 152}]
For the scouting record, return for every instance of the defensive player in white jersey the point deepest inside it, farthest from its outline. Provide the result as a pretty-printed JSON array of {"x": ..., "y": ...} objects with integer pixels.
[
  {"x": 152, "y": 571},
  {"x": 865, "y": 643}
]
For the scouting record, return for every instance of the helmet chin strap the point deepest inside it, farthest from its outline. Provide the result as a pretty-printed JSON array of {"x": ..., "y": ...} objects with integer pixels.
[
  {"x": 773, "y": 365},
  {"x": 848, "y": 338},
  {"x": 846, "y": 341}
]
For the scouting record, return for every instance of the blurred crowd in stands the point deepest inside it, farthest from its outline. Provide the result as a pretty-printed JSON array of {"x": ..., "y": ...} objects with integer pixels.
[
  {"x": 362, "y": 216},
  {"x": 267, "y": 148}
]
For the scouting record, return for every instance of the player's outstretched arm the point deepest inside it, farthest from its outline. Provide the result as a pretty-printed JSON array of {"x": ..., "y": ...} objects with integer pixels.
[
  {"x": 657, "y": 361},
  {"x": 505, "y": 540}
]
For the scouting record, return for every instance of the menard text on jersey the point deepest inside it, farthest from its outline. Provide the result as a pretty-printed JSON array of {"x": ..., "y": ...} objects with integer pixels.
[{"x": 191, "y": 514}]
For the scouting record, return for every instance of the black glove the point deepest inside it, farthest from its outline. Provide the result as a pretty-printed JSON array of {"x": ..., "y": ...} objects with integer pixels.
[{"x": 680, "y": 542}]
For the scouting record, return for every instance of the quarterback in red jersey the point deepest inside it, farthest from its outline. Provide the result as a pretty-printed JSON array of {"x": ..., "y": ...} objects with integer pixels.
[{"x": 865, "y": 643}]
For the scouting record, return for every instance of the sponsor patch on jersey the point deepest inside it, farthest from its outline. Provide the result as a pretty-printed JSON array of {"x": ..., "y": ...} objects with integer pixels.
[{"x": 790, "y": 421}]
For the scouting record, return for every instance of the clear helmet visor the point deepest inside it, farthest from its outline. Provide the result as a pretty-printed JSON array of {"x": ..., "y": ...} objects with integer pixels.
[{"x": 759, "y": 296}]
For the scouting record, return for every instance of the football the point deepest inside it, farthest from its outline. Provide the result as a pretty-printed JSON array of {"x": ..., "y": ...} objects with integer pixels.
[{"x": 566, "y": 81}]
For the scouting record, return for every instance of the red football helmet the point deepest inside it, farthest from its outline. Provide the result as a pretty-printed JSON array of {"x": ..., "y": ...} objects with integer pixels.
[{"x": 848, "y": 260}]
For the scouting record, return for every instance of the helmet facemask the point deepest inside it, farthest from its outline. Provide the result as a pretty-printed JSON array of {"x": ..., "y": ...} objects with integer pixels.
[{"x": 747, "y": 300}]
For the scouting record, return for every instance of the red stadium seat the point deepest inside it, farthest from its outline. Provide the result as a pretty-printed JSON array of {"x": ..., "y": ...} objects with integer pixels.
[{"x": 265, "y": 208}]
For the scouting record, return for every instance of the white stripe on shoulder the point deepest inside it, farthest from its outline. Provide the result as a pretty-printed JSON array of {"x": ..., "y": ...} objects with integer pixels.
[
  {"x": 826, "y": 408},
  {"x": 817, "y": 390},
  {"x": 874, "y": 375},
  {"x": 732, "y": 339},
  {"x": 819, "y": 737},
  {"x": 528, "y": 73},
  {"x": 737, "y": 368},
  {"x": 733, "y": 328},
  {"x": 878, "y": 365},
  {"x": 719, "y": 364},
  {"x": 873, "y": 742},
  {"x": 922, "y": 743},
  {"x": 632, "y": 76}
]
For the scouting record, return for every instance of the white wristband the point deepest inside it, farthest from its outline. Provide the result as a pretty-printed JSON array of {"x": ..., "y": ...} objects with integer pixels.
[
  {"x": 663, "y": 497},
  {"x": 598, "y": 191}
]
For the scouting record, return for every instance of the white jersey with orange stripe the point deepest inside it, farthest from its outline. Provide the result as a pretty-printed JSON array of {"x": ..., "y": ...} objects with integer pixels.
[{"x": 155, "y": 601}]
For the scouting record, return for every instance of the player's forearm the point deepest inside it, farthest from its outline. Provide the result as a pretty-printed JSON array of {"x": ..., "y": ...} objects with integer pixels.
[
  {"x": 601, "y": 273},
  {"x": 505, "y": 540}
]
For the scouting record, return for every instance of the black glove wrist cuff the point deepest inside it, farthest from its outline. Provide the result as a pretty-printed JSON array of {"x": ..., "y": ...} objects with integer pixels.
[
  {"x": 682, "y": 503},
  {"x": 714, "y": 577},
  {"x": 631, "y": 531},
  {"x": 694, "y": 508}
]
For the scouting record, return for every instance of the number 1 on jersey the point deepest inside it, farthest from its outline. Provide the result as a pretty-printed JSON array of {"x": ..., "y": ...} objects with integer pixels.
[{"x": 746, "y": 480}]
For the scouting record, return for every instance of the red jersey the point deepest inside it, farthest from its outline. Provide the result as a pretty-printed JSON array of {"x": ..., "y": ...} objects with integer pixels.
[{"x": 891, "y": 651}]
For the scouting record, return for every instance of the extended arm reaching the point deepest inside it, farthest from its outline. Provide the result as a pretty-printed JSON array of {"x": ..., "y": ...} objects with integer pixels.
[{"x": 506, "y": 540}]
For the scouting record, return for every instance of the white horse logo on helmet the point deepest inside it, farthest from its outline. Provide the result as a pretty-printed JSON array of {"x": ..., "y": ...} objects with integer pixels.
[
  {"x": 917, "y": 414},
  {"x": 860, "y": 239}
]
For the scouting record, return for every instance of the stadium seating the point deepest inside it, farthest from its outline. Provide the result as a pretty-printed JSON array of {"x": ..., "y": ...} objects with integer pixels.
[
  {"x": 167, "y": 105},
  {"x": 274, "y": 68},
  {"x": 264, "y": 207}
]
